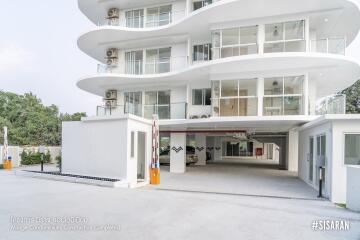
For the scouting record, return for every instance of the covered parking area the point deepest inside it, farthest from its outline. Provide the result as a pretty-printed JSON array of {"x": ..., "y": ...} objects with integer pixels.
[{"x": 251, "y": 157}]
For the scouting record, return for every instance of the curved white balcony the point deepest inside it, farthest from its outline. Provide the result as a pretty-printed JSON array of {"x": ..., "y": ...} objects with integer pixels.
[
  {"x": 139, "y": 67},
  {"x": 330, "y": 18},
  {"x": 333, "y": 72}
]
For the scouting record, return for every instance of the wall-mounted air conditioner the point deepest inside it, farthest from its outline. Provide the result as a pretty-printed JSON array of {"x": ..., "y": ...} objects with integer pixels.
[
  {"x": 111, "y": 95},
  {"x": 112, "y": 62},
  {"x": 110, "y": 103},
  {"x": 112, "y": 53},
  {"x": 113, "y": 13}
]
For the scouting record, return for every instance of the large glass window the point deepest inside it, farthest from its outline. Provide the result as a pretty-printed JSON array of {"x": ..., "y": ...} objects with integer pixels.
[
  {"x": 285, "y": 37},
  {"x": 135, "y": 18},
  {"x": 158, "y": 60},
  {"x": 238, "y": 149},
  {"x": 201, "y": 96},
  {"x": 201, "y": 4},
  {"x": 202, "y": 52},
  {"x": 234, "y": 42},
  {"x": 352, "y": 149},
  {"x": 134, "y": 62},
  {"x": 158, "y": 16},
  {"x": 157, "y": 102},
  {"x": 133, "y": 103},
  {"x": 283, "y": 96},
  {"x": 236, "y": 98}
]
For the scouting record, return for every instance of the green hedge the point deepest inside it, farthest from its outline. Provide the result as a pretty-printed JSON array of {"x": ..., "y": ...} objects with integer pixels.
[{"x": 29, "y": 158}]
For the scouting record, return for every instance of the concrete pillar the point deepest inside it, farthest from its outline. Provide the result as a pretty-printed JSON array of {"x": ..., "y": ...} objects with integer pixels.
[
  {"x": 293, "y": 148},
  {"x": 200, "y": 149},
  {"x": 260, "y": 94},
  {"x": 261, "y": 38},
  {"x": 189, "y": 51},
  {"x": 217, "y": 149},
  {"x": 188, "y": 7},
  {"x": 178, "y": 152},
  {"x": 306, "y": 95}
]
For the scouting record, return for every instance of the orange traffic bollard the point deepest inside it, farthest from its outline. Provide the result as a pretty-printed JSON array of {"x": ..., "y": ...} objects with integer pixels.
[
  {"x": 155, "y": 176},
  {"x": 7, "y": 165}
]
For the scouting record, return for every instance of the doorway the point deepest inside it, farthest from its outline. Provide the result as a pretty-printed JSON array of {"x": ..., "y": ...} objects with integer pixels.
[
  {"x": 141, "y": 155},
  {"x": 311, "y": 159},
  {"x": 320, "y": 158}
]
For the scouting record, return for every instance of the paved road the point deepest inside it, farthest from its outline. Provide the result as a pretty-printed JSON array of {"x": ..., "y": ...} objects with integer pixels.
[{"x": 148, "y": 213}]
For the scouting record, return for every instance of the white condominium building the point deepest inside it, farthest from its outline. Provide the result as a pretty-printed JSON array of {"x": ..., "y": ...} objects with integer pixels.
[{"x": 235, "y": 80}]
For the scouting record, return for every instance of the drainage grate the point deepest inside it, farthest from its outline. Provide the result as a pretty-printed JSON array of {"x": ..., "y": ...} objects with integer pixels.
[{"x": 76, "y": 176}]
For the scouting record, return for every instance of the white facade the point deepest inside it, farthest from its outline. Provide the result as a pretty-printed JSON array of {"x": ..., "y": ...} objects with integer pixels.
[{"x": 233, "y": 86}]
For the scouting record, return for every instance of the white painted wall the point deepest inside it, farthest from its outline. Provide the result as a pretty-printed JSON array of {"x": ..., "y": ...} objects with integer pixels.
[
  {"x": 293, "y": 153},
  {"x": 340, "y": 127},
  {"x": 336, "y": 173},
  {"x": 178, "y": 159},
  {"x": 200, "y": 140},
  {"x": 101, "y": 147},
  {"x": 304, "y": 149},
  {"x": 353, "y": 188}
]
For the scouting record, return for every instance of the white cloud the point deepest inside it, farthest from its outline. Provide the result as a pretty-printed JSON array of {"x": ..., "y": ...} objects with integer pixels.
[{"x": 14, "y": 57}]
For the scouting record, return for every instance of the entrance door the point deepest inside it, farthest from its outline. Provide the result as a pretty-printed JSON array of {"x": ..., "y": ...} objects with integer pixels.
[
  {"x": 141, "y": 157},
  {"x": 320, "y": 157},
  {"x": 311, "y": 159}
]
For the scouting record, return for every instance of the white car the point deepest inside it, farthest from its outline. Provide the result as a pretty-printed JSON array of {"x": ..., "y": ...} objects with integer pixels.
[{"x": 191, "y": 158}]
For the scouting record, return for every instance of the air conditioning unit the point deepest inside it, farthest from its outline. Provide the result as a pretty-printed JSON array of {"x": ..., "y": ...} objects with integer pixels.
[
  {"x": 112, "y": 53},
  {"x": 111, "y": 95},
  {"x": 110, "y": 103},
  {"x": 205, "y": 116},
  {"x": 194, "y": 117},
  {"x": 112, "y": 62},
  {"x": 113, "y": 13}
]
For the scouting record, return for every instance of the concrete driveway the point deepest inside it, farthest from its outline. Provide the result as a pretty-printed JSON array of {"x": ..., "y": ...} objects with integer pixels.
[
  {"x": 238, "y": 179},
  {"x": 148, "y": 213}
]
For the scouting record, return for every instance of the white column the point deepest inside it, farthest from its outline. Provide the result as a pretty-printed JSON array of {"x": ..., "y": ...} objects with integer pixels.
[
  {"x": 178, "y": 152},
  {"x": 188, "y": 7},
  {"x": 293, "y": 149},
  {"x": 307, "y": 34},
  {"x": 200, "y": 149},
  {"x": 260, "y": 94},
  {"x": 306, "y": 95},
  {"x": 217, "y": 149},
  {"x": 261, "y": 38},
  {"x": 189, "y": 51}
]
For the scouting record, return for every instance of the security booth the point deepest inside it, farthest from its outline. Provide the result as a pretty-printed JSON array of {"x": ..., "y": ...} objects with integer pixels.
[{"x": 109, "y": 147}]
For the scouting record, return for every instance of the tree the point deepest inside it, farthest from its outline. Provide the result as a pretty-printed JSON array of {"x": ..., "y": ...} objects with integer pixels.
[
  {"x": 29, "y": 122},
  {"x": 353, "y": 98}
]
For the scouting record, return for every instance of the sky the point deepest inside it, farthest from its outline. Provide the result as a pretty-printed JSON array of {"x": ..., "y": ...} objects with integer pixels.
[{"x": 39, "y": 54}]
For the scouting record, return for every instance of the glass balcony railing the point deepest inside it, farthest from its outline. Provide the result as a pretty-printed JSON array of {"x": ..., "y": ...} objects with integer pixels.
[
  {"x": 235, "y": 107},
  {"x": 333, "y": 104},
  {"x": 140, "y": 67},
  {"x": 148, "y": 21},
  {"x": 164, "y": 111},
  {"x": 285, "y": 46},
  {"x": 329, "y": 45}
]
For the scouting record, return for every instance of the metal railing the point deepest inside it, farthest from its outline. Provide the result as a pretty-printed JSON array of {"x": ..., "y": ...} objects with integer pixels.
[
  {"x": 329, "y": 45},
  {"x": 333, "y": 104},
  {"x": 164, "y": 111},
  {"x": 140, "y": 67}
]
